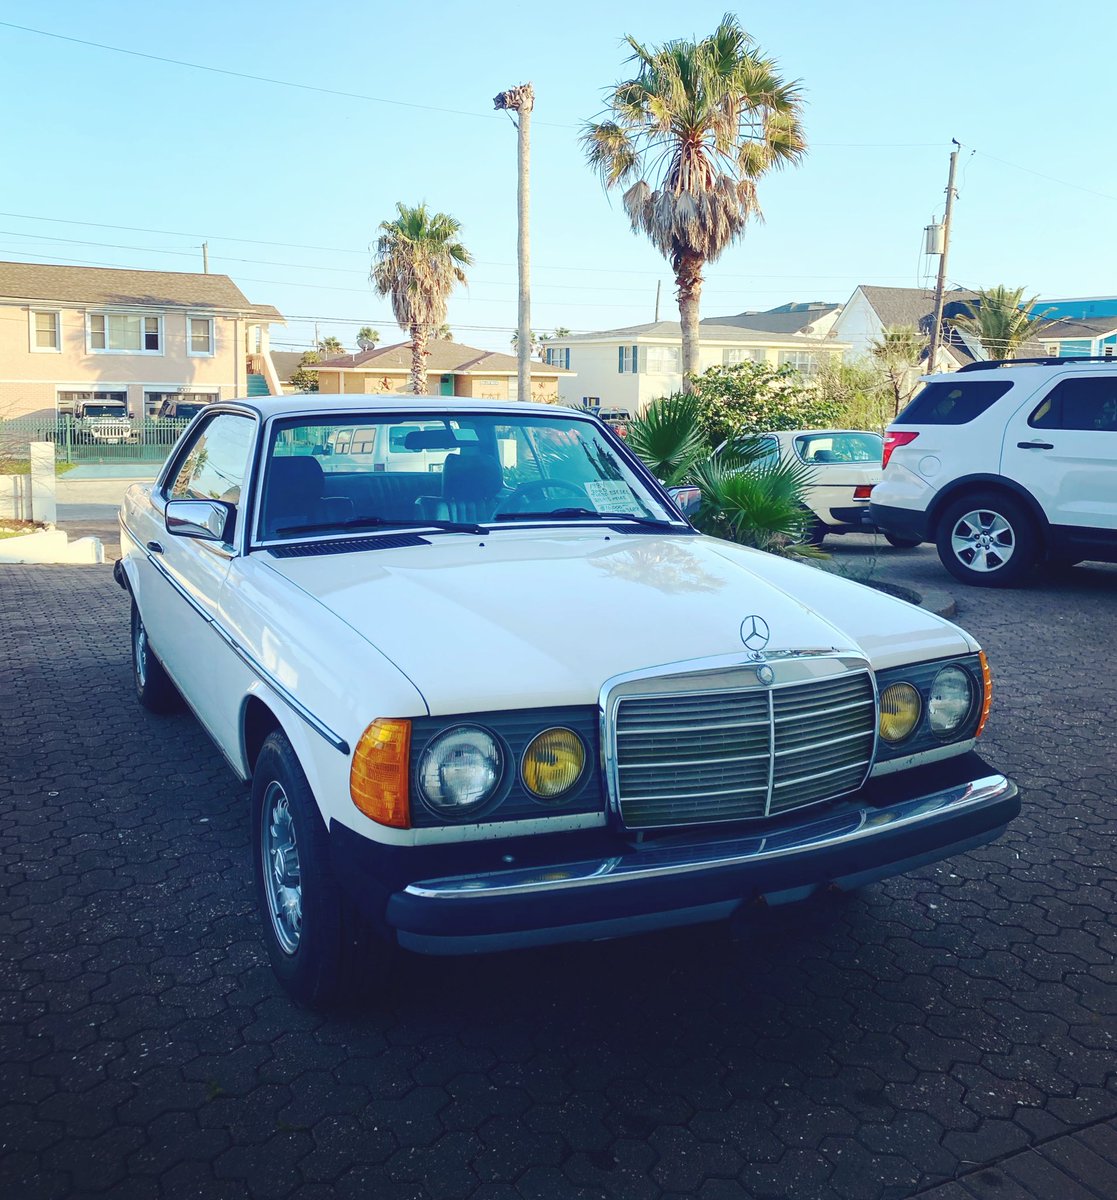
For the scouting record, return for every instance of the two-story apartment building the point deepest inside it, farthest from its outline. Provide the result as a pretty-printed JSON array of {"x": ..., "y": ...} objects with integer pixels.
[
  {"x": 71, "y": 333},
  {"x": 631, "y": 367}
]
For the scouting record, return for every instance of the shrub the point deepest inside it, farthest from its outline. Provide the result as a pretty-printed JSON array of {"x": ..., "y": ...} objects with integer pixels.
[{"x": 755, "y": 397}]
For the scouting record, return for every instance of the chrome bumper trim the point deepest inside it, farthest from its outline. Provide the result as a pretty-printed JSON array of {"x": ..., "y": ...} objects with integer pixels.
[{"x": 682, "y": 857}]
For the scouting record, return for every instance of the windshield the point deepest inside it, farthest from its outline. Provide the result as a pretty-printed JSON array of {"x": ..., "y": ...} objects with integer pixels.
[
  {"x": 103, "y": 410},
  {"x": 332, "y": 475},
  {"x": 823, "y": 448}
]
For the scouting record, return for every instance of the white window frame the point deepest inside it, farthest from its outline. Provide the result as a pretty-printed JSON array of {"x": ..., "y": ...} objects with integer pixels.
[
  {"x": 57, "y": 314},
  {"x": 122, "y": 312},
  {"x": 190, "y": 351},
  {"x": 654, "y": 356}
]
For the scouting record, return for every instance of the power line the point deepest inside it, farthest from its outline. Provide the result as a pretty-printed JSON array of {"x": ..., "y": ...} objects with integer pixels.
[
  {"x": 364, "y": 253},
  {"x": 287, "y": 83}
]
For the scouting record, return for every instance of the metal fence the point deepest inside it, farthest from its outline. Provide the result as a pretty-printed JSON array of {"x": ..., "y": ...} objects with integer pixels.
[{"x": 139, "y": 440}]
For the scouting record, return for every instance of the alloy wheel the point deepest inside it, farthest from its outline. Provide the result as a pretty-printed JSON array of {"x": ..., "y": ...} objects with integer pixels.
[
  {"x": 983, "y": 541},
  {"x": 280, "y": 866}
]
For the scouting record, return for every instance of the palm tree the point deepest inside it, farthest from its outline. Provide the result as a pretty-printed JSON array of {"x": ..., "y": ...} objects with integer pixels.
[
  {"x": 444, "y": 333},
  {"x": 899, "y": 350},
  {"x": 367, "y": 337},
  {"x": 705, "y": 120},
  {"x": 419, "y": 258},
  {"x": 331, "y": 346},
  {"x": 1002, "y": 321},
  {"x": 741, "y": 499}
]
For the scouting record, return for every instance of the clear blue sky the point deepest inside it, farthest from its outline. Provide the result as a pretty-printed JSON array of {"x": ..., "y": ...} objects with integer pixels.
[{"x": 101, "y": 137}]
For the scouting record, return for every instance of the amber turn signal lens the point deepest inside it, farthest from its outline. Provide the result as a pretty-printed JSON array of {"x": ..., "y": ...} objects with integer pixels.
[
  {"x": 553, "y": 763},
  {"x": 378, "y": 775},
  {"x": 987, "y": 690},
  {"x": 900, "y": 710}
]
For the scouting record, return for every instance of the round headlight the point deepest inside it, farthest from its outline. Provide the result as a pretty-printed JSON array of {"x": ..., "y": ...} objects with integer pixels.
[
  {"x": 460, "y": 770},
  {"x": 553, "y": 763},
  {"x": 900, "y": 709},
  {"x": 951, "y": 700}
]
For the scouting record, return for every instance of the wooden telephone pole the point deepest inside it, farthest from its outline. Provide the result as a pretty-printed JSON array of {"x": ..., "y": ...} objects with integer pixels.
[
  {"x": 521, "y": 100},
  {"x": 936, "y": 327}
]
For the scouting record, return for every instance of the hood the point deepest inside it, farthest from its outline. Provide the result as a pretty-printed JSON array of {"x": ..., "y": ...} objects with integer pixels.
[{"x": 530, "y": 617}]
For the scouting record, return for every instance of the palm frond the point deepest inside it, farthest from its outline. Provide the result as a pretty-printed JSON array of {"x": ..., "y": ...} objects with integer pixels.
[{"x": 668, "y": 436}]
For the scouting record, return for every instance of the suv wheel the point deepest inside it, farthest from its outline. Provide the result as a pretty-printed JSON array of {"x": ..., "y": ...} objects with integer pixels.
[{"x": 987, "y": 540}]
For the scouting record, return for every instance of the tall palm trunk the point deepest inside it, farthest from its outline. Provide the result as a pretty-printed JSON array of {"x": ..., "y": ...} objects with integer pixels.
[
  {"x": 419, "y": 355},
  {"x": 688, "y": 278}
]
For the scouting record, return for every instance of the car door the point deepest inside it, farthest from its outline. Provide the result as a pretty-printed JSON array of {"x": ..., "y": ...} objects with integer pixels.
[
  {"x": 189, "y": 572},
  {"x": 1062, "y": 447}
]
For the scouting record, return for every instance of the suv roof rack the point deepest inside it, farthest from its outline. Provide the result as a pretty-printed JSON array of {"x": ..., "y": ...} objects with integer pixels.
[{"x": 993, "y": 364}]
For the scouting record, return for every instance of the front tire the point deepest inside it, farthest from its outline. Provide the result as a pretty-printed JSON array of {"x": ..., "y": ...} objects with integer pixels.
[
  {"x": 154, "y": 689},
  {"x": 320, "y": 948},
  {"x": 987, "y": 540}
]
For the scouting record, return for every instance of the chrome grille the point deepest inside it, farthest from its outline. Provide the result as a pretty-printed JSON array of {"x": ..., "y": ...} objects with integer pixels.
[{"x": 695, "y": 757}]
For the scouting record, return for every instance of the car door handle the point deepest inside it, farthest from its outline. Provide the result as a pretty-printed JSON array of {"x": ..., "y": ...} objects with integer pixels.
[
  {"x": 1034, "y": 446},
  {"x": 155, "y": 547}
]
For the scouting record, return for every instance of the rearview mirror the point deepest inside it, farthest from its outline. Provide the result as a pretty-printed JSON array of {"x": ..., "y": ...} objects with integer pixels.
[
  {"x": 686, "y": 498},
  {"x": 207, "y": 520}
]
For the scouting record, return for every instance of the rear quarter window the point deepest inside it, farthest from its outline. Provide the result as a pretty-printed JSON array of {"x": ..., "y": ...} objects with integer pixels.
[{"x": 953, "y": 403}]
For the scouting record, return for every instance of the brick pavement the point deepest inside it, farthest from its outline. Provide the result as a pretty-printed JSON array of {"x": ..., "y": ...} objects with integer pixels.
[{"x": 948, "y": 1034}]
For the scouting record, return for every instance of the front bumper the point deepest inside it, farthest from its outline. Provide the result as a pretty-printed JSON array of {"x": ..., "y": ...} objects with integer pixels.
[{"x": 888, "y": 828}]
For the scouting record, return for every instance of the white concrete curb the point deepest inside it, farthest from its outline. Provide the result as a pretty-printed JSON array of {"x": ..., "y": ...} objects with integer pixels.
[{"x": 51, "y": 546}]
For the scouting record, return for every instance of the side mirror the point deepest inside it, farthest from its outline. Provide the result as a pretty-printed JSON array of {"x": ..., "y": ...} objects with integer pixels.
[
  {"x": 207, "y": 520},
  {"x": 686, "y": 498}
]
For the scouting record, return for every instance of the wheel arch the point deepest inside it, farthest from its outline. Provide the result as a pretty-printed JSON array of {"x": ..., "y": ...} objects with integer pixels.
[
  {"x": 257, "y": 721},
  {"x": 988, "y": 483}
]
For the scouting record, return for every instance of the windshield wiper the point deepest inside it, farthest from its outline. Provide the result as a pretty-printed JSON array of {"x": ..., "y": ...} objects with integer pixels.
[
  {"x": 381, "y": 523},
  {"x": 574, "y": 514}
]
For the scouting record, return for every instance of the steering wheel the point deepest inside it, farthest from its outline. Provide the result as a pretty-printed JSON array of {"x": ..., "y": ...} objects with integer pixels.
[{"x": 521, "y": 498}]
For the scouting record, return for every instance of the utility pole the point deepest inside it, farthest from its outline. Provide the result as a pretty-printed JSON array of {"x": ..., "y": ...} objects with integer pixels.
[
  {"x": 205, "y": 258},
  {"x": 658, "y": 287},
  {"x": 521, "y": 99},
  {"x": 936, "y": 327}
]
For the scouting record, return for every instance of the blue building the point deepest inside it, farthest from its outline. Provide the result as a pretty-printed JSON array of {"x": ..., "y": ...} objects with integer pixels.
[{"x": 1082, "y": 308}]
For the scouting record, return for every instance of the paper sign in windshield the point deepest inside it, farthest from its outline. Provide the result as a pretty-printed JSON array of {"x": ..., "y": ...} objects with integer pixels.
[{"x": 610, "y": 495}]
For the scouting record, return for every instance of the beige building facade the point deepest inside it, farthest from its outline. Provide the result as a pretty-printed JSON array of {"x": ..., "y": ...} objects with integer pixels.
[
  {"x": 452, "y": 370},
  {"x": 69, "y": 334}
]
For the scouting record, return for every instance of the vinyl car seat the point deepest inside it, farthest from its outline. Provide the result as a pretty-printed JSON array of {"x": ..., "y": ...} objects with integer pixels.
[
  {"x": 294, "y": 495},
  {"x": 471, "y": 486}
]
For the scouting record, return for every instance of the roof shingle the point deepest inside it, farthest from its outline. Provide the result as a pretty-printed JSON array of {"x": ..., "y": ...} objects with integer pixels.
[{"x": 113, "y": 286}]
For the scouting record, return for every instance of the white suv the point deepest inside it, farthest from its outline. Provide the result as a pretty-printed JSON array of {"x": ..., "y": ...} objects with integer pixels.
[{"x": 1002, "y": 464}]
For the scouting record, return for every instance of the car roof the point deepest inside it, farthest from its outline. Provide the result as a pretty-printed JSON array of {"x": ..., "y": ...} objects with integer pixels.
[{"x": 320, "y": 403}]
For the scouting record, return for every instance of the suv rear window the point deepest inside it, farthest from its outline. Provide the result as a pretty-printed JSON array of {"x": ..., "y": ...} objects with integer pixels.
[{"x": 950, "y": 403}]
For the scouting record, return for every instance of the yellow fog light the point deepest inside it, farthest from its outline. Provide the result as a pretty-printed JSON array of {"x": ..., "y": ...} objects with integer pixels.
[
  {"x": 900, "y": 710},
  {"x": 378, "y": 775},
  {"x": 553, "y": 763}
]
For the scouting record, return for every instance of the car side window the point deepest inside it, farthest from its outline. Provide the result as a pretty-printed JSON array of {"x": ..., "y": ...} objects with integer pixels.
[
  {"x": 216, "y": 461},
  {"x": 1089, "y": 404}
]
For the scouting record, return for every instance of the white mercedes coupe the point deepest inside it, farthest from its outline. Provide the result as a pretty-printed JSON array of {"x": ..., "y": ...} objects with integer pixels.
[{"x": 491, "y": 689}]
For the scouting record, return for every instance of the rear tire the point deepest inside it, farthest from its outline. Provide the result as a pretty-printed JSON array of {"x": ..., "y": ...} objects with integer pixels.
[
  {"x": 987, "y": 539},
  {"x": 154, "y": 689},
  {"x": 902, "y": 543},
  {"x": 321, "y": 949}
]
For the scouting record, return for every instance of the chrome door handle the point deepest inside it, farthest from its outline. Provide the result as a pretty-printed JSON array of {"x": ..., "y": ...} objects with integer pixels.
[
  {"x": 155, "y": 547},
  {"x": 1034, "y": 446}
]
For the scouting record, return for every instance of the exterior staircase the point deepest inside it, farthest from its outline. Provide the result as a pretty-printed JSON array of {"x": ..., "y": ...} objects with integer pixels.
[{"x": 258, "y": 385}]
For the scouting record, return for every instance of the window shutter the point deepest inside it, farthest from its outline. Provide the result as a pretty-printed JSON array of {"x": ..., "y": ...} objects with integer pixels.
[
  {"x": 635, "y": 360},
  {"x": 620, "y": 360}
]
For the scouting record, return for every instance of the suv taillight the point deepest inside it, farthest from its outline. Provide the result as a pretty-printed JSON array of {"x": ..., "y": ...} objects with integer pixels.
[
  {"x": 863, "y": 491},
  {"x": 892, "y": 440}
]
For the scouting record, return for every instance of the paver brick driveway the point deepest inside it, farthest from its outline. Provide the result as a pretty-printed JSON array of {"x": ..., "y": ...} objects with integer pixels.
[{"x": 869, "y": 1046}]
